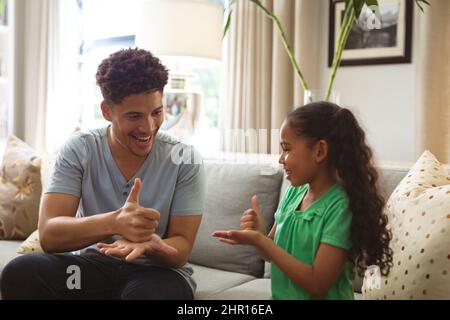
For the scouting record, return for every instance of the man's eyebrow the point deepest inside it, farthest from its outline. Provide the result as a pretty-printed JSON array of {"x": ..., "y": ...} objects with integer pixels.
[
  {"x": 157, "y": 109},
  {"x": 138, "y": 112},
  {"x": 132, "y": 112}
]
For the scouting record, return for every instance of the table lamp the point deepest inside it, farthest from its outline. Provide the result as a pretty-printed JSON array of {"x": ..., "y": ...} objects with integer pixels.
[{"x": 181, "y": 28}]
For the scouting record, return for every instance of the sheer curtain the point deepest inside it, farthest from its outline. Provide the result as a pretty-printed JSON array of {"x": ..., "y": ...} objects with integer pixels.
[
  {"x": 45, "y": 68},
  {"x": 260, "y": 84},
  {"x": 434, "y": 80}
]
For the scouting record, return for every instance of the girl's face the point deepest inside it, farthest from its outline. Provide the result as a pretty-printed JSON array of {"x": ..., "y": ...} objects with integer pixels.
[{"x": 299, "y": 158}]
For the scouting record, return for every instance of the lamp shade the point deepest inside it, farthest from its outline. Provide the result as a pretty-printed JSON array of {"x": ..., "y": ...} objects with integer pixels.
[{"x": 181, "y": 28}]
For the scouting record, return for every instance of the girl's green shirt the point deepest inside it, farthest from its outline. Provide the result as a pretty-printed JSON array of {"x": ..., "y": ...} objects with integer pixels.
[{"x": 327, "y": 220}]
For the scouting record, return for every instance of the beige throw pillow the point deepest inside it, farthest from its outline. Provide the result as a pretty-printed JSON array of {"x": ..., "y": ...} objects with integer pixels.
[
  {"x": 20, "y": 190},
  {"x": 31, "y": 244},
  {"x": 419, "y": 218}
]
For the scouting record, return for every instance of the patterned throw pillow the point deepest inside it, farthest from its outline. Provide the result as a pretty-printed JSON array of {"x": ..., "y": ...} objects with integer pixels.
[
  {"x": 419, "y": 218},
  {"x": 20, "y": 190},
  {"x": 31, "y": 244}
]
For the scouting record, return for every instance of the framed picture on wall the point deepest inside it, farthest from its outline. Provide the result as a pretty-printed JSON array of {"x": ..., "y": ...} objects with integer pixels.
[{"x": 381, "y": 38}]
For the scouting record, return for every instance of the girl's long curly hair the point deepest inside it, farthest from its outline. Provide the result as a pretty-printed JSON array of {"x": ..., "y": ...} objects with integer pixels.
[{"x": 352, "y": 158}]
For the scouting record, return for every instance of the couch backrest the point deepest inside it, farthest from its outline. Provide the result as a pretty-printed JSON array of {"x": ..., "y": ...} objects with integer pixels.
[
  {"x": 231, "y": 181},
  {"x": 230, "y": 185},
  {"x": 229, "y": 189}
]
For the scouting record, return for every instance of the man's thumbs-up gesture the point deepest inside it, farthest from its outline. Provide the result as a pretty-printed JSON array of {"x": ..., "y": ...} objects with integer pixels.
[
  {"x": 133, "y": 197},
  {"x": 133, "y": 222}
]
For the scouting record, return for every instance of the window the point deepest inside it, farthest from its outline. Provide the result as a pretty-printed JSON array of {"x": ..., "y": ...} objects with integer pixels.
[{"x": 102, "y": 37}]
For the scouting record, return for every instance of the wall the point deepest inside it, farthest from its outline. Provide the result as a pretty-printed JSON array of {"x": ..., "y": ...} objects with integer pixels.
[{"x": 382, "y": 97}]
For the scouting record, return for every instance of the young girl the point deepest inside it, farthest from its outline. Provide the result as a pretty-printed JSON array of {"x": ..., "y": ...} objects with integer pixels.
[{"x": 331, "y": 219}]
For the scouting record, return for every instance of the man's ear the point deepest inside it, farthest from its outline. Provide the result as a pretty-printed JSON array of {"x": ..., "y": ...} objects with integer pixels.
[
  {"x": 321, "y": 150},
  {"x": 106, "y": 110}
]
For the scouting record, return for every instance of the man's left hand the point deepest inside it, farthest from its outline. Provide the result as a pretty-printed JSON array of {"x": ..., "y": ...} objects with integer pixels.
[{"x": 131, "y": 250}]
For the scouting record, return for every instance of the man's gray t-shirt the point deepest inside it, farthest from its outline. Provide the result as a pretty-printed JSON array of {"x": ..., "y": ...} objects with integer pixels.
[{"x": 85, "y": 168}]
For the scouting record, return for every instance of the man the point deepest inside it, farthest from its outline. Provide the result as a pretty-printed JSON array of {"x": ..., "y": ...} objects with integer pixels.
[{"x": 117, "y": 196}]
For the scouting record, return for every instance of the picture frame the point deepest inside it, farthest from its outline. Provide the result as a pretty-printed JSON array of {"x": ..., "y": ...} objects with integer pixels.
[{"x": 377, "y": 38}]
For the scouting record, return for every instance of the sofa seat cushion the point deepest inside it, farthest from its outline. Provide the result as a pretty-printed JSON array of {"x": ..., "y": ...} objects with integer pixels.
[
  {"x": 258, "y": 289},
  {"x": 212, "y": 281},
  {"x": 8, "y": 251}
]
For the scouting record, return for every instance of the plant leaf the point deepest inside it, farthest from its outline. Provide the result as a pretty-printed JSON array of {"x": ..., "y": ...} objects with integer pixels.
[
  {"x": 227, "y": 24},
  {"x": 424, "y": 1},
  {"x": 357, "y": 5},
  {"x": 370, "y": 3}
]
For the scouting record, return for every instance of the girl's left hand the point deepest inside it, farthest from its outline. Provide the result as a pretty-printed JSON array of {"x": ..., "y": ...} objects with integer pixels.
[
  {"x": 131, "y": 250},
  {"x": 250, "y": 237}
]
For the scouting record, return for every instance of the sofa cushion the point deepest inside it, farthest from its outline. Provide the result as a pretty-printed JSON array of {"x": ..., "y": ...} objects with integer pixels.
[
  {"x": 419, "y": 219},
  {"x": 20, "y": 190},
  {"x": 228, "y": 193},
  {"x": 8, "y": 251},
  {"x": 267, "y": 270},
  {"x": 257, "y": 289},
  {"x": 212, "y": 281},
  {"x": 31, "y": 244},
  {"x": 389, "y": 178}
]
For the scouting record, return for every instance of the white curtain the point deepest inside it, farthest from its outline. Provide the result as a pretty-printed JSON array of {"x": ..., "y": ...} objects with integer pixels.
[
  {"x": 434, "y": 80},
  {"x": 45, "y": 70},
  {"x": 260, "y": 83}
]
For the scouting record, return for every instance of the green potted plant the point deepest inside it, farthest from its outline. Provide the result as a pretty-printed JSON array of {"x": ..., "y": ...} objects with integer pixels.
[{"x": 352, "y": 12}]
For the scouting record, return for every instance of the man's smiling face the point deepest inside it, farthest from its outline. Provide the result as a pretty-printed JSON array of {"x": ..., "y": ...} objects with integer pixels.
[{"x": 135, "y": 121}]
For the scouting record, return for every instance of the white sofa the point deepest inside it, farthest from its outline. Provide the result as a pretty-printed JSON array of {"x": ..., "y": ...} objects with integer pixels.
[{"x": 237, "y": 272}]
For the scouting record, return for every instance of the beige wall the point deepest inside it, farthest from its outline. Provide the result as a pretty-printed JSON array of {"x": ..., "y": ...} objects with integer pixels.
[{"x": 382, "y": 97}]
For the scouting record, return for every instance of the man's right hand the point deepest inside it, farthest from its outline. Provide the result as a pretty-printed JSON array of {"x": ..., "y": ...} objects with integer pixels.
[
  {"x": 252, "y": 218},
  {"x": 133, "y": 222}
]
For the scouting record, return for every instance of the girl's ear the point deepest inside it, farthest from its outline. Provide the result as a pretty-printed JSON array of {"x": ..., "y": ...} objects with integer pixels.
[
  {"x": 321, "y": 150},
  {"x": 106, "y": 110}
]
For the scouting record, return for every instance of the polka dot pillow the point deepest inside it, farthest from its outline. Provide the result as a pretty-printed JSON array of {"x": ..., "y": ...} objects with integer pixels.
[{"x": 419, "y": 219}]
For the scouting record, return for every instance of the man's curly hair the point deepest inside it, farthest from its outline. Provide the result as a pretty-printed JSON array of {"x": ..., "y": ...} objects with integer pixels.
[{"x": 130, "y": 71}]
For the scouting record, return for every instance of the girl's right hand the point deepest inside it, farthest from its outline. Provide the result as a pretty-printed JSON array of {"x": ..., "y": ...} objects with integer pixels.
[{"x": 252, "y": 218}]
